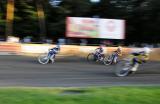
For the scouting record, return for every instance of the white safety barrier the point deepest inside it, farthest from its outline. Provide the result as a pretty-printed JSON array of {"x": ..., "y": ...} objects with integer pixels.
[{"x": 66, "y": 50}]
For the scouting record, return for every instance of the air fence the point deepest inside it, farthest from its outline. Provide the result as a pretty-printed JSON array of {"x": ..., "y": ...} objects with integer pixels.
[{"x": 66, "y": 50}]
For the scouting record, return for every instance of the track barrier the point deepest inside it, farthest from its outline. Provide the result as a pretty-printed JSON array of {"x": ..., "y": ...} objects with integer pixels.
[{"x": 66, "y": 50}]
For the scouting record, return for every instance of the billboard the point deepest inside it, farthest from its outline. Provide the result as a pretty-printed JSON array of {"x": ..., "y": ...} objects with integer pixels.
[{"x": 95, "y": 28}]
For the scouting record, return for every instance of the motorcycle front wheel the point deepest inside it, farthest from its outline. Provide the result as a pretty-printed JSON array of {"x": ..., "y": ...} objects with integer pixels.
[
  {"x": 91, "y": 57},
  {"x": 123, "y": 68},
  {"x": 43, "y": 58}
]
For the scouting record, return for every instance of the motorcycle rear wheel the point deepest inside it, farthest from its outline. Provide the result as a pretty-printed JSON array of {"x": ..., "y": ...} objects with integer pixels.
[{"x": 108, "y": 60}]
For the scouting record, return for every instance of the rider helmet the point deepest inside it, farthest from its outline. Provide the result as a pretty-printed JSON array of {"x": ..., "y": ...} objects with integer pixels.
[
  {"x": 119, "y": 49},
  {"x": 101, "y": 46},
  {"x": 147, "y": 50},
  {"x": 57, "y": 47}
]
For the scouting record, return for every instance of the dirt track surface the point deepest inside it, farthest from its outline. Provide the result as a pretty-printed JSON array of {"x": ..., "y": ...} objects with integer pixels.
[{"x": 70, "y": 72}]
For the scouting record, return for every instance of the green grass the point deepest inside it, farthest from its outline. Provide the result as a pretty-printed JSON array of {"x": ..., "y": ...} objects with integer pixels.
[{"x": 107, "y": 95}]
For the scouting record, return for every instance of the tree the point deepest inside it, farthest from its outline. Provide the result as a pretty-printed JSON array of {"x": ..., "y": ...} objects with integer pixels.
[
  {"x": 2, "y": 17},
  {"x": 142, "y": 17},
  {"x": 56, "y": 16},
  {"x": 41, "y": 18},
  {"x": 9, "y": 17},
  {"x": 25, "y": 19}
]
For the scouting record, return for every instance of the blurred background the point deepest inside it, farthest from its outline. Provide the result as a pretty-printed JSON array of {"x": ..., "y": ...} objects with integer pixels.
[{"x": 46, "y": 21}]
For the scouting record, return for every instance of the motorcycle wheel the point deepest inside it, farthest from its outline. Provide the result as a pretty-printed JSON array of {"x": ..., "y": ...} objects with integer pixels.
[
  {"x": 43, "y": 58},
  {"x": 108, "y": 60},
  {"x": 91, "y": 57},
  {"x": 123, "y": 68}
]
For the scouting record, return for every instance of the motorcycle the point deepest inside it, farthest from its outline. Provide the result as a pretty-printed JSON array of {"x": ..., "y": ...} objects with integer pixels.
[
  {"x": 126, "y": 67},
  {"x": 95, "y": 57},
  {"x": 44, "y": 58},
  {"x": 111, "y": 59}
]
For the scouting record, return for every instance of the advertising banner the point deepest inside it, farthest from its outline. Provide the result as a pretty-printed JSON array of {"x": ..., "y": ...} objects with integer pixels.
[{"x": 95, "y": 28}]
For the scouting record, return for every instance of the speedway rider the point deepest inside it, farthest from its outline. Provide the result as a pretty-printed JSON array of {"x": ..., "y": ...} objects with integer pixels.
[
  {"x": 117, "y": 53},
  {"x": 99, "y": 52},
  {"x": 141, "y": 56},
  {"x": 52, "y": 52}
]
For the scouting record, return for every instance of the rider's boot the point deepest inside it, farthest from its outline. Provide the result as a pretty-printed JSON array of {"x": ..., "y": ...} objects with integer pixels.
[
  {"x": 52, "y": 61},
  {"x": 115, "y": 59},
  {"x": 135, "y": 67},
  {"x": 52, "y": 58}
]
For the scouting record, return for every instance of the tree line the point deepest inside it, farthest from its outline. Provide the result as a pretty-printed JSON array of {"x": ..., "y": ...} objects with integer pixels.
[{"x": 39, "y": 19}]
